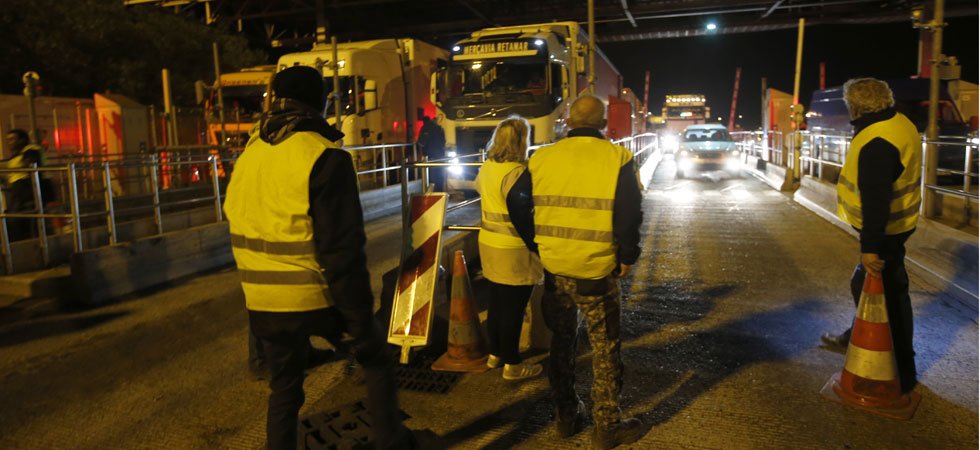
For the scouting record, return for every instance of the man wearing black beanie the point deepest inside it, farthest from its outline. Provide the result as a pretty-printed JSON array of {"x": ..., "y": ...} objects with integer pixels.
[{"x": 297, "y": 233}]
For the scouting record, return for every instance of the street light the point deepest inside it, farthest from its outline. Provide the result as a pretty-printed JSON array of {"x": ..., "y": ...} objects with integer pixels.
[{"x": 711, "y": 26}]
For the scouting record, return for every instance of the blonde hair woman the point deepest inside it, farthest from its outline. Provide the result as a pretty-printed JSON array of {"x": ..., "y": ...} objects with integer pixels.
[{"x": 511, "y": 268}]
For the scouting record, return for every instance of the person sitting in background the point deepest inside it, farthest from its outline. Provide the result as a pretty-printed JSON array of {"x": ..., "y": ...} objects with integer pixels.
[{"x": 508, "y": 265}]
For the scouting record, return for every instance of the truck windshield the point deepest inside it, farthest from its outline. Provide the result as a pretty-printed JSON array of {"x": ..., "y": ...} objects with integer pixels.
[
  {"x": 686, "y": 112},
  {"x": 497, "y": 76},
  {"x": 244, "y": 102},
  {"x": 349, "y": 90}
]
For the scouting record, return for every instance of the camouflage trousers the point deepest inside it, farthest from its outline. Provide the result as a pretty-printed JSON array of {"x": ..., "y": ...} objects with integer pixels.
[{"x": 599, "y": 302}]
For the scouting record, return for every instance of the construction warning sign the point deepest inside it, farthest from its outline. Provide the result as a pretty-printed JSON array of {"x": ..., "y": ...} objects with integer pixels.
[{"x": 411, "y": 313}]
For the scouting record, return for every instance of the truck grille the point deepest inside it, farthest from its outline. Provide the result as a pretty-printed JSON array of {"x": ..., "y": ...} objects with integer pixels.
[{"x": 471, "y": 139}]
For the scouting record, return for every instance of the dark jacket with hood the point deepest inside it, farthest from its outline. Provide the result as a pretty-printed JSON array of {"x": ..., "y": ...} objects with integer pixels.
[{"x": 335, "y": 208}]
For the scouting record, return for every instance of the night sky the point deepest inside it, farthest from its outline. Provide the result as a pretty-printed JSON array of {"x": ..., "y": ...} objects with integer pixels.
[{"x": 707, "y": 65}]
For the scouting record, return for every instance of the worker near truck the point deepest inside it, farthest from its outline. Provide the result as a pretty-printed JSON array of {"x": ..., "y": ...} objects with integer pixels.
[
  {"x": 578, "y": 206},
  {"x": 297, "y": 236},
  {"x": 432, "y": 145},
  {"x": 510, "y": 267},
  {"x": 878, "y": 193}
]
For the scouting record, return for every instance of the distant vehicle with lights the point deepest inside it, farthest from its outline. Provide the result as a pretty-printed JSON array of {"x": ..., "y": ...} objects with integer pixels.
[
  {"x": 535, "y": 71},
  {"x": 244, "y": 94},
  {"x": 707, "y": 148},
  {"x": 384, "y": 89},
  {"x": 680, "y": 111}
]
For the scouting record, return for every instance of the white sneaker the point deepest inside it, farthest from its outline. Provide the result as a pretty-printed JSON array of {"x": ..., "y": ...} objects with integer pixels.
[
  {"x": 493, "y": 361},
  {"x": 521, "y": 371}
]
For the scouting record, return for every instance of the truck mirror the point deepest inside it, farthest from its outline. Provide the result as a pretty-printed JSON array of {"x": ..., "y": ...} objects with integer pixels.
[
  {"x": 370, "y": 95},
  {"x": 199, "y": 88},
  {"x": 434, "y": 88}
]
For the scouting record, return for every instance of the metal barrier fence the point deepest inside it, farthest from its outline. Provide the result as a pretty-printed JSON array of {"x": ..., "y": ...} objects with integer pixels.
[
  {"x": 767, "y": 146},
  {"x": 97, "y": 190},
  {"x": 822, "y": 156}
]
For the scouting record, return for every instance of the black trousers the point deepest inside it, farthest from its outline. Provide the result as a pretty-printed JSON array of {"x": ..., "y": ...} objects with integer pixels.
[
  {"x": 896, "y": 282},
  {"x": 505, "y": 316},
  {"x": 21, "y": 200},
  {"x": 284, "y": 338}
]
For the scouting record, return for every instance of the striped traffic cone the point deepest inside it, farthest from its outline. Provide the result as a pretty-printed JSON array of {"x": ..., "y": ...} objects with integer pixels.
[
  {"x": 869, "y": 380},
  {"x": 466, "y": 351}
]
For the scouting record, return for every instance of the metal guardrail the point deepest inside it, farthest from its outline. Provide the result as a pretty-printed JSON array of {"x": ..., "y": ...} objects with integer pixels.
[
  {"x": 92, "y": 187},
  {"x": 767, "y": 146}
]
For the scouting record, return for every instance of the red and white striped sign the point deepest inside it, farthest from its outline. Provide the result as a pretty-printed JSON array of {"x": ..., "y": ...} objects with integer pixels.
[{"x": 411, "y": 313}]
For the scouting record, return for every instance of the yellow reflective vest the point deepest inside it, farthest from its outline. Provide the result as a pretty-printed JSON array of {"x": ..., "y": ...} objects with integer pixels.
[
  {"x": 574, "y": 187},
  {"x": 267, "y": 206},
  {"x": 503, "y": 255},
  {"x": 906, "y": 190},
  {"x": 18, "y": 162}
]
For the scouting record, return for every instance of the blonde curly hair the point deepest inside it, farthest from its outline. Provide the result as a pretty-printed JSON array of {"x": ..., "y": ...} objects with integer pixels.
[
  {"x": 510, "y": 140},
  {"x": 867, "y": 95}
]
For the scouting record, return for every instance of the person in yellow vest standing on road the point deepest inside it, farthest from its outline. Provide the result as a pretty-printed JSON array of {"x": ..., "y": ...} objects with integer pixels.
[
  {"x": 297, "y": 234},
  {"x": 508, "y": 265},
  {"x": 20, "y": 184},
  {"x": 586, "y": 200},
  {"x": 879, "y": 194}
]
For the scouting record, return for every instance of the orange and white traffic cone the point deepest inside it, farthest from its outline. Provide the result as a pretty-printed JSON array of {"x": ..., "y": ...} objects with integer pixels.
[
  {"x": 869, "y": 380},
  {"x": 466, "y": 351}
]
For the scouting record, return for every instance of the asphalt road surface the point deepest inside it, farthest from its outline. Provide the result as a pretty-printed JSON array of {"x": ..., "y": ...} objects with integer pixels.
[{"x": 721, "y": 328}]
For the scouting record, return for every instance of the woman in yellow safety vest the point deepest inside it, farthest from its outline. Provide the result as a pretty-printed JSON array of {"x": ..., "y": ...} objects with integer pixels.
[{"x": 511, "y": 268}]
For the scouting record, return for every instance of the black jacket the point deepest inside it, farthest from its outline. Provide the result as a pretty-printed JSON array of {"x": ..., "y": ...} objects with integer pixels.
[{"x": 627, "y": 209}]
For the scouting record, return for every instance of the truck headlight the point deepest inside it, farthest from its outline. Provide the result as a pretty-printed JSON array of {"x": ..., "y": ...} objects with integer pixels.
[{"x": 455, "y": 169}]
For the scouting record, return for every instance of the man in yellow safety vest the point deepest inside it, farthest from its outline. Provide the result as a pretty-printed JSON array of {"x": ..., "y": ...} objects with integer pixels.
[
  {"x": 585, "y": 225},
  {"x": 297, "y": 234},
  {"x": 879, "y": 193},
  {"x": 20, "y": 185}
]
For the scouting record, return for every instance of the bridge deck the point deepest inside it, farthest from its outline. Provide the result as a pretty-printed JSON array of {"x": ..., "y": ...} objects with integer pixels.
[{"x": 721, "y": 332}]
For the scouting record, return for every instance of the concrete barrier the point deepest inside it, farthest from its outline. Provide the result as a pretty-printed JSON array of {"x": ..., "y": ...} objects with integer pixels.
[
  {"x": 104, "y": 273},
  {"x": 771, "y": 174},
  {"x": 946, "y": 253}
]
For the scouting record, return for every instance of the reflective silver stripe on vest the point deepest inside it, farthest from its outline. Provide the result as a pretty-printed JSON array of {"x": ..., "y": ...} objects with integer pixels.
[
  {"x": 600, "y": 204},
  {"x": 912, "y": 187},
  {"x": 847, "y": 183},
  {"x": 499, "y": 228},
  {"x": 577, "y": 234},
  {"x": 293, "y": 277},
  {"x": 854, "y": 212},
  {"x": 496, "y": 217},
  {"x": 899, "y": 215},
  {"x": 272, "y": 248}
]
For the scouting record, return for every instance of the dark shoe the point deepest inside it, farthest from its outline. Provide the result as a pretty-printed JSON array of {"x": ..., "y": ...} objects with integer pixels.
[
  {"x": 836, "y": 341},
  {"x": 571, "y": 422},
  {"x": 626, "y": 431}
]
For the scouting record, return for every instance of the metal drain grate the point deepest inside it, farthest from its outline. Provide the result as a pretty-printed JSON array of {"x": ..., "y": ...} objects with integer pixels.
[
  {"x": 347, "y": 428},
  {"x": 417, "y": 376}
]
